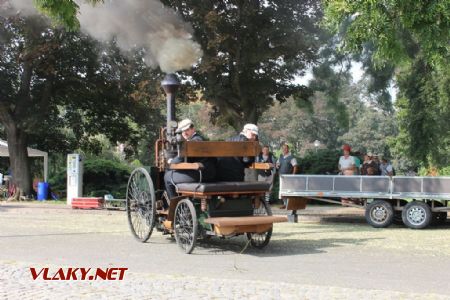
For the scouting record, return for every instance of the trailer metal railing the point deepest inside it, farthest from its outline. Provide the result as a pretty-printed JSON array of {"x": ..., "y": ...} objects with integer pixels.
[{"x": 376, "y": 187}]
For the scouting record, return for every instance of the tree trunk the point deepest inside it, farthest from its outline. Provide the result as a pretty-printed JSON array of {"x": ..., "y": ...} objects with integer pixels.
[
  {"x": 251, "y": 113},
  {"x": 18, "y": 158}
]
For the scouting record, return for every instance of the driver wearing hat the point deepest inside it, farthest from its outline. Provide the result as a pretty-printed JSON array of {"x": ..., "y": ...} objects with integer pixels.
[{"x": 173, "y": 177}]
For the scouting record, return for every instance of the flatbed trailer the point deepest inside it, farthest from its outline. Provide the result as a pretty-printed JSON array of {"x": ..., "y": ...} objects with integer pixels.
[{"x": 415, "y": 201}]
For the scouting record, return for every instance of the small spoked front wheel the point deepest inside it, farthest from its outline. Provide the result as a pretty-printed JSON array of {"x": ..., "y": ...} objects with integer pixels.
[
  {"x": 185, "y": 225},
  {"x": 260, "y": 240},
  {"x": 140, "y": 204}
]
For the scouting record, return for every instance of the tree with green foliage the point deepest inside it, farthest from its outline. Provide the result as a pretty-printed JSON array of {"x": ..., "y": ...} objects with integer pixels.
[
  {"x": 63, "y": 12},
  {"x": 367, "y": 128},
  {"x": 252, "y": 51},
  {"x": 409, "y": 39},
  {"x": 60, "y": 89},
  {"x": 424, "y": 114},
  {"x": 391, "y": 27}
]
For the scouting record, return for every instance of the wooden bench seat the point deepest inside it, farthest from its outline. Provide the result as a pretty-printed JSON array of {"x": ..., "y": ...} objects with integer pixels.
[{"x": 223, "y": 187}]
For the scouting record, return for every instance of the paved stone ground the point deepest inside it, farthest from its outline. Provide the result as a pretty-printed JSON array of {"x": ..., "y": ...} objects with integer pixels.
[
  {"x": 330, "y": 254},
  {"x": 16, "y": 283}
]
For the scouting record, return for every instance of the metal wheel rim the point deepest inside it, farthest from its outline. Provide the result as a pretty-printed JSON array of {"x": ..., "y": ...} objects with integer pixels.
[
  {"x": 140, "y": 205},
  {"x": 260, "y": 239},
  {"x": 379, "y": 214},
  {"x": 184, "y": 226},
  {"x": 416, "y": 215}
]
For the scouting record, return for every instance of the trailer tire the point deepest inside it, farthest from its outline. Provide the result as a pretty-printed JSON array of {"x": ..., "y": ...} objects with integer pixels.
[
  {"x": 379, "y": 214},
  {"x": 417, "y": 215}
]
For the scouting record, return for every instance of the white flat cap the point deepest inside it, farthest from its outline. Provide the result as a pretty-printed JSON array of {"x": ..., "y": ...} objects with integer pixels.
[
  {"x": 184, "y": 125},
  {"x": 252, "y": 127}
]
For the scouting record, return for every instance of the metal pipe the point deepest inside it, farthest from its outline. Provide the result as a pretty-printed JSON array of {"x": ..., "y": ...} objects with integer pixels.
[{"x": 170, "y": 84}]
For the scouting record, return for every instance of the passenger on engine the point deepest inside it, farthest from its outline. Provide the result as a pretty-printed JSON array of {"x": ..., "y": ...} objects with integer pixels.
[{"x": 233, "y": 168}]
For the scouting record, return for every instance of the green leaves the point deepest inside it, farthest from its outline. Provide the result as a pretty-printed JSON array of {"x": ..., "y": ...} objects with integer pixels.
[
  {"x": 79, "y": 89},
  {"x": 408, "y": 41},
  {"x": 423, "y": 114},
  {"x": 384, "y": 24},
  {"x": 252, "y": 51},
  {"x": 62, "y": 12}
]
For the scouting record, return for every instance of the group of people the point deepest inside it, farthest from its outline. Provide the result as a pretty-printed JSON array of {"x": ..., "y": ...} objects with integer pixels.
[
  {"x": 285, "y": 164},
  {"x": 351, "y": 165},
  {"x": 233, "y": 168},
  {"x": 227, "y": 168}
]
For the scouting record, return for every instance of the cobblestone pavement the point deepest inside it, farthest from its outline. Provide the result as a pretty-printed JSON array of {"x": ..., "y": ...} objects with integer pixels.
[
  {"x": 16, "y": 283},
  {"x": 321, "y": 257}
]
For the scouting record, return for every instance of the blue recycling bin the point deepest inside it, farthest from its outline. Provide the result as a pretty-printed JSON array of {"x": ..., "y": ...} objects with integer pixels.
[{"x": 42, "y": 191}]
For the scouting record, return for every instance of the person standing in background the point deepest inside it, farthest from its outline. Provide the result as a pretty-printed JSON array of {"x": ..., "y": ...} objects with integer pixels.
[
  {"x": 266, "y": 175},
  {"x": 376, "y": 164},
  {"x": 357, "y": 163},
  {"x": 365, "y": 164},
  {"x": 286, "y": 164},
  {"x": 347, "y": 164},
  {"x": 386, "y": 168}
]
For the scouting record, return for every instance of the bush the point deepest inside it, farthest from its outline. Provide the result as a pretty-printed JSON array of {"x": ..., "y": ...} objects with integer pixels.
[
  {"x": 445, "y": 171},
  {"x": 433, "y": 171},
  {"x": 101, "y": 176},
  {"x": 323, "y": 161}
]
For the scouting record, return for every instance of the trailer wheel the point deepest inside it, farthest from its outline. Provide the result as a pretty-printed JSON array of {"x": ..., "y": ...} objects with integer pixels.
[
  {"x": 416, "y": 215},
  {"x": 380, "y": 214}
]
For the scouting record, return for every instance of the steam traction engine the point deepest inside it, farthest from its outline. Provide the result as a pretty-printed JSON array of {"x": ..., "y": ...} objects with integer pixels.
[{"x": 201, "y": 210}]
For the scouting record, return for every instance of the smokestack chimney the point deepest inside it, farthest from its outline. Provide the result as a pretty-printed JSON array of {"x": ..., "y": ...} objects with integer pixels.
[{"x": 170, "y": 85}]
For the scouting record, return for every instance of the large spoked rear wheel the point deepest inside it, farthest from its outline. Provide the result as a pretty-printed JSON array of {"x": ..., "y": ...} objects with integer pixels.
[
  {"x": 140, "y": 202},
  {"x": 260, "y": 240},
  {"x": 185, "y": 225}
]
